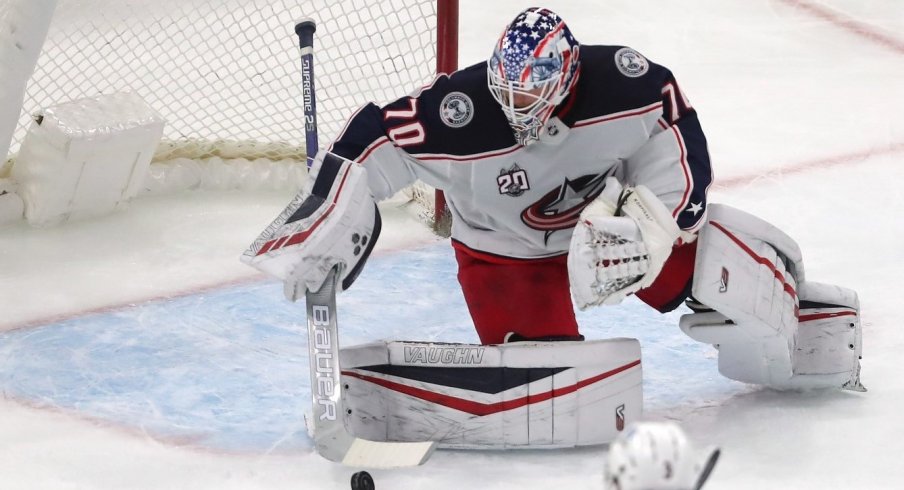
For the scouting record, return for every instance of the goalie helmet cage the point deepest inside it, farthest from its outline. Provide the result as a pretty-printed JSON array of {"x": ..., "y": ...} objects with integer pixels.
[{"x": 224, "y": 74}]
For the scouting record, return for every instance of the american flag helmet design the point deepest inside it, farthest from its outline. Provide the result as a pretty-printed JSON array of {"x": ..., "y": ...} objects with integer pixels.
[{"x": 533, "y": 67}]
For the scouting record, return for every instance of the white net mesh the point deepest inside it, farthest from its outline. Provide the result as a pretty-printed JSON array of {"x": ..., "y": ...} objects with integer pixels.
[
  {"x": 225, "y": 74},
  {"x": 619, "y": 262}
]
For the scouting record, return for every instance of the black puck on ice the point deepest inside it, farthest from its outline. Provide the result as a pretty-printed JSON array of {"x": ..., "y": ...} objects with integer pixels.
[{"x": 362, "y": 481}]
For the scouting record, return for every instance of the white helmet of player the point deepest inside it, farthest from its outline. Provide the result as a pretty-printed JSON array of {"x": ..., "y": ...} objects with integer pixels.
[
  {"x": 656, "y": 456},
  {"x": 533, "y": 68}
]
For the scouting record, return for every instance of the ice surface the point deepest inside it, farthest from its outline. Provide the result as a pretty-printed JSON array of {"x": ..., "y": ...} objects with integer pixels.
[{"x": 137, "y": 352}]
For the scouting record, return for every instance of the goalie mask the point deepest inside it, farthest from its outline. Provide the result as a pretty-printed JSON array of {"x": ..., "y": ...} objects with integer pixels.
[{"x": 532, "y": 70}]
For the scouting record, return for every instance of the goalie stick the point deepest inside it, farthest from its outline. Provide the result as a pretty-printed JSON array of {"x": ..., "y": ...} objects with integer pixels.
[{"x": 331, "y": 437}]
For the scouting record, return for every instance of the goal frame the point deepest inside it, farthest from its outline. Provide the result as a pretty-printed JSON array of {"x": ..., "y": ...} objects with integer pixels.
[{"x": 446, "y": 62}]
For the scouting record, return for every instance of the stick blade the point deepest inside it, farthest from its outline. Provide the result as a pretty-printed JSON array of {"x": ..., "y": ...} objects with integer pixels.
[
  {"x": 333, "y": 442},
  {"x": 369, "y": 454}
]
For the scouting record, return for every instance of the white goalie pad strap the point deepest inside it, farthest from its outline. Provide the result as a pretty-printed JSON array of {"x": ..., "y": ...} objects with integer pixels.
[
  {"x": 519, "y": 395},
  {"x": 611, "y": 257},
  {"x": 332, "y": 221}
]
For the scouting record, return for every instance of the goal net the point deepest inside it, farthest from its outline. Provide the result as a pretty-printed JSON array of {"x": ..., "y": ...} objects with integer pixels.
[{"x": 224, "y": 74}]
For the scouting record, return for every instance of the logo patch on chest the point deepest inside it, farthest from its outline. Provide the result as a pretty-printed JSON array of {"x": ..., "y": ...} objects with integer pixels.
[
  {"x": 513, "y": 182},
  {"x": 561, "y": 207}
]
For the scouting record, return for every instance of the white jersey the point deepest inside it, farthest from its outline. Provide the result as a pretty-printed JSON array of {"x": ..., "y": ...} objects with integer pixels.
[{"x": 625, "y": 117}]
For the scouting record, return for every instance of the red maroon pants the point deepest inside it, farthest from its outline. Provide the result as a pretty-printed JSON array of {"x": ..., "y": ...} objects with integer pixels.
[{"x": 531, "y": 296}]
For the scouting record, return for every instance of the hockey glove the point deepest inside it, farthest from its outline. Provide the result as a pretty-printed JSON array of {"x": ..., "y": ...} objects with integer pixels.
[
  {"x": 615, "y": 254},
  {"x": 332, "y": 221}
]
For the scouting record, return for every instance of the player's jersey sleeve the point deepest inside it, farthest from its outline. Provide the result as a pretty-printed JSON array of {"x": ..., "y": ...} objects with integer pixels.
[
  {"x": 674, "y": 163},
  {"x": 370, "y": 139}
]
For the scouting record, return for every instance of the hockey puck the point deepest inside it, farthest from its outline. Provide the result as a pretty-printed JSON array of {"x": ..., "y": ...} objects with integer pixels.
[{"x": 362, "y": 481}]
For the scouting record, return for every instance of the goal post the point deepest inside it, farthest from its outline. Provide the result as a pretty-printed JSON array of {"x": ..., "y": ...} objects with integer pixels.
[
  {"x": 446, "y": 62},
  {"x": 223, "y": 74}
]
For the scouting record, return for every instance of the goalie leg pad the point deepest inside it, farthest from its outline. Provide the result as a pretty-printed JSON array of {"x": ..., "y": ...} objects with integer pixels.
[
  {"x": 522, "y": 395},
  {"x": 771, "y": 327},
  {"x": 741, "y": 274}
]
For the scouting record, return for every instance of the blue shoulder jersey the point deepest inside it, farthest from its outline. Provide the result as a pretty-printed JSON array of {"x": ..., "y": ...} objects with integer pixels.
[{"x": 625, "y": 117}]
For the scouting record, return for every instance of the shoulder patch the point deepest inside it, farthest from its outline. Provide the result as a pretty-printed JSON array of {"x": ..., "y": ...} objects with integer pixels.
[
  {"x": 456, "y": 109},
  {"x": 631, "y": 63}
]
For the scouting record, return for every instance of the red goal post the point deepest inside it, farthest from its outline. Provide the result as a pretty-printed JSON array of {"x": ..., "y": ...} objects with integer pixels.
[{"x": 446, "y": 62}]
